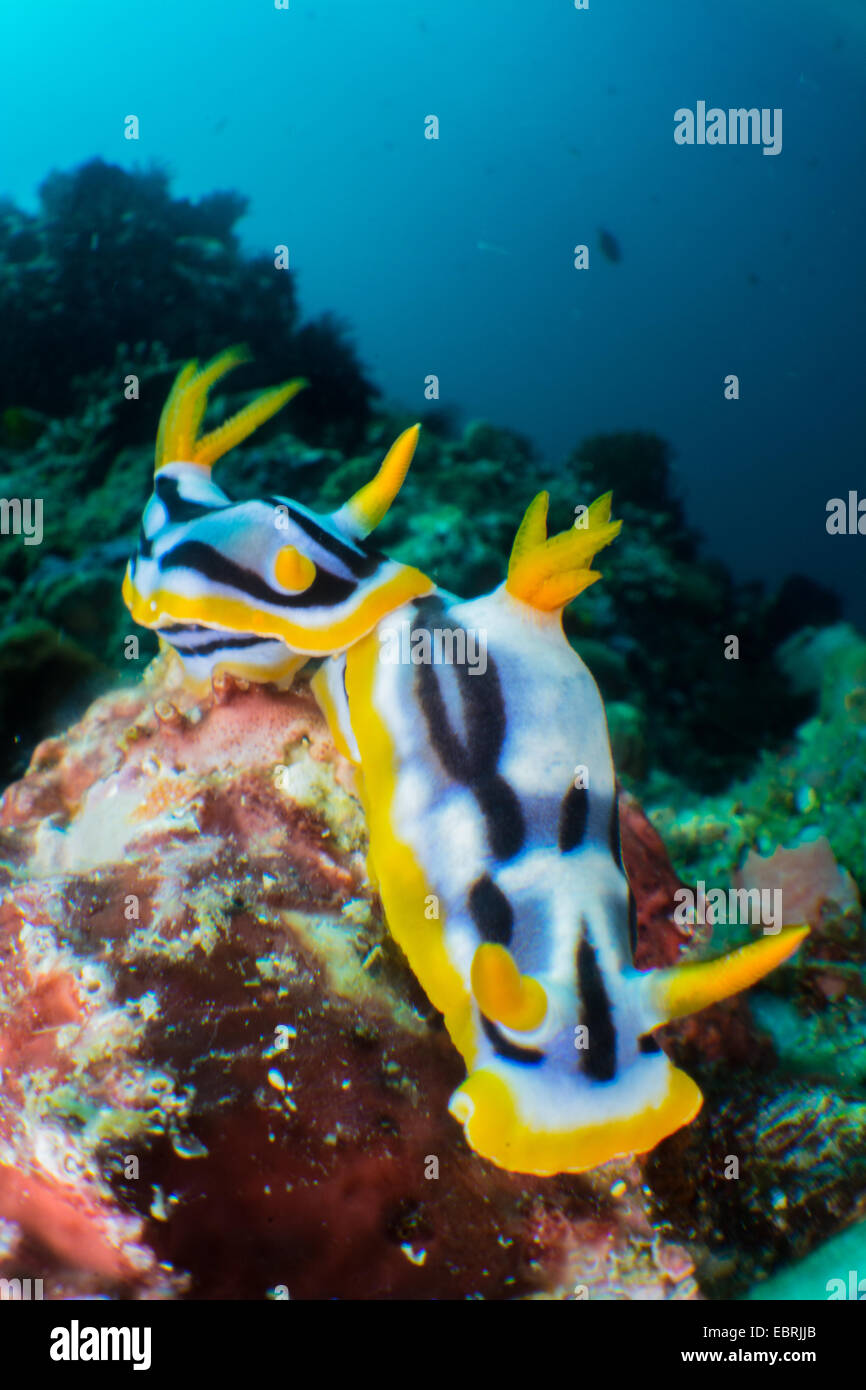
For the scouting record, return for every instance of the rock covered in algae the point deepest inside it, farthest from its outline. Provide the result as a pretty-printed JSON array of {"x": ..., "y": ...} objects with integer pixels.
[
  {"x": 220, "y": 1078},
  {"x": 764, "y": 1177}
]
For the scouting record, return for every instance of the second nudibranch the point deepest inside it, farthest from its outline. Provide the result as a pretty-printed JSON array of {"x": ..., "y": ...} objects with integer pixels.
[
  {"x": 491, "y": 803},
  {"x": 487, "y": 782},
  {"x": 255, "y": 588}
]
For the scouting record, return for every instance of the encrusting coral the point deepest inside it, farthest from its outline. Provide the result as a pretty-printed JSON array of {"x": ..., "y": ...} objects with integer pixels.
[{"x": 188, "y": 933}]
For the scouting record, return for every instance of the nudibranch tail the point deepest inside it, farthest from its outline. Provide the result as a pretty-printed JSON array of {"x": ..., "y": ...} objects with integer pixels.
[
  {"x": 177, "y": 439},
  {"x": 505, "y": 1124},
  {"x": 684, "y": 989},
  {"x": 547, "y": 573},
  {"x": 363, "y": 512}
]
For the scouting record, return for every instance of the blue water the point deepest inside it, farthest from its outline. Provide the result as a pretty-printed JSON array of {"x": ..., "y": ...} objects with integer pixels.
[{"x": 454, "y": 256}]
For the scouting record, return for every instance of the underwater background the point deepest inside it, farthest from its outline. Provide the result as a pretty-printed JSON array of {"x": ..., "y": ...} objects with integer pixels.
[{"x": 430, "y": 173}]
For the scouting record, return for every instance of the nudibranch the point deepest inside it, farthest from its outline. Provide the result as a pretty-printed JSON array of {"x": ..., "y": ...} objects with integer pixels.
[
  {"x": 488, "y": 784},
  {"x": 255, "y": 588}
]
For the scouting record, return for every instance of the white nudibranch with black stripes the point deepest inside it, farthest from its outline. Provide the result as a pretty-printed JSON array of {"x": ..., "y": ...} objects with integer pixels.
[
  {"x": 489, "y": 788},
  {"x": 255, "y": 588}
]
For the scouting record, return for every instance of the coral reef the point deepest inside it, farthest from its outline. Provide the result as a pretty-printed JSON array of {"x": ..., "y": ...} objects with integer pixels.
[
  {"x": 67, "y": 1050},
  {"x": 219, "y": 1077},
  {"x": 206, "y": 1011},
  {"x": 797, "y": 1122},
  {"x": 98, "y": 228}
]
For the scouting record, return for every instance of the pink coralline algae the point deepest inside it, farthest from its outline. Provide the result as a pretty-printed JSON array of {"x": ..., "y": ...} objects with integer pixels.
[
  {"x": 816, "y": 889},
  {"x": 219, "y": 1077},
  {"x": 59, "y": 1218},
  {"x": 809, "y": 878}
]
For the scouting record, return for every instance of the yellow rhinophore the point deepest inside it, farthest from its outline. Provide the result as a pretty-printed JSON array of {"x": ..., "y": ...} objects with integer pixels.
[
  {"x": 177, "y": 438},
  {"x": 366, "y": 508},
  {"x": 548, "y": 572}
]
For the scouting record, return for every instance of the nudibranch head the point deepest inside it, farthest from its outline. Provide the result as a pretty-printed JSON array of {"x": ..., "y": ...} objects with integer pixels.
[{"x": 258, "y": 587}]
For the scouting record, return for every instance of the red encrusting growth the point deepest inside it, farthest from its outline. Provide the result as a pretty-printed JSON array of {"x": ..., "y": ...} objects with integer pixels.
[{"x": 209, "y": 988}]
